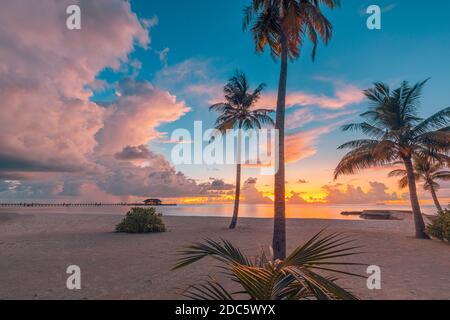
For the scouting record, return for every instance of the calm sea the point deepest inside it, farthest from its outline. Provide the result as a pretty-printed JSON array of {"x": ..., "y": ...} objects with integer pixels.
[{"x": 226, "y": 210}]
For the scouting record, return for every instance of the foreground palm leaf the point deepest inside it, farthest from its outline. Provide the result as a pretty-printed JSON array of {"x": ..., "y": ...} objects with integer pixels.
[{"x": 294, "y": 278}]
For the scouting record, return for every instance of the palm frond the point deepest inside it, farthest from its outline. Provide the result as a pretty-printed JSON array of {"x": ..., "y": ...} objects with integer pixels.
[
  {"x": 435, "y": 122},
  {"x": 364, "y": 157},
  {"x": 366, "y": 128},
  {"x": 397, "y": 173},
  {"x": 256, "y": 281},
  {"x": 223, "y": 251},
  {"x": 441, "y": 175},
  {"x": 322, "y": 288},
  {"x": 403, "y": 182},
  {"x": 321, "y": 250},
  {"x": 362, "y": 143},
  {"x": 293, "y": 278}
]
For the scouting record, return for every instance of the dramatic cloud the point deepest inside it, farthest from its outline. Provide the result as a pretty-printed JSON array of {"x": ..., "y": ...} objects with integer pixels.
[
  {"x": 158, "y": 179},
  {"x": 250, "y": 194},
  {"x": 134, "y": 117},
  {"x": 349, "y": 194},
  {"x": 47, "y": 122}
]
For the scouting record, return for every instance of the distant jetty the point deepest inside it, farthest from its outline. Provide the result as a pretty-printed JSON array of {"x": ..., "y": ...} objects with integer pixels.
[
  {"x": 379, "y": 214},
  {"x": 93, "y": 204}
]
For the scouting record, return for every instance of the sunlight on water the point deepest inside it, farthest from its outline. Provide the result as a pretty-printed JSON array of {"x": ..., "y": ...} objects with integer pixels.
[{"x": 226, "y": 210}]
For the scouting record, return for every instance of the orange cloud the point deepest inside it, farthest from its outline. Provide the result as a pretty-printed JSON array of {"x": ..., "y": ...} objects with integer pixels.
[{"x": 302, "y": 144}]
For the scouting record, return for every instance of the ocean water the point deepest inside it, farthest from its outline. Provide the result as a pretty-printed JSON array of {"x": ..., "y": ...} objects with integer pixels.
[{"x": 226, "y": 210}]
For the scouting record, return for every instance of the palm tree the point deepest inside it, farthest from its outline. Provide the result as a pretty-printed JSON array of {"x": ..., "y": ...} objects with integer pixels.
[
  {"x": 283, "y": 25},
  {"x": 294, "y": 278},
  {"x": 238, "y": 112},
  {"x": 427, "y": 170},
  {"x": 397, "y": 134}
]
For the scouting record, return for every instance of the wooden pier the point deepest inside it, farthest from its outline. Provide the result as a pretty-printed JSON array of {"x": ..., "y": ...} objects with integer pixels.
[{"x": 75, "y": 205}]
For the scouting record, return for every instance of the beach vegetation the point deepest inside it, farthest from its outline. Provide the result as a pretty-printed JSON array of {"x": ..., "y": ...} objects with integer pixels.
[
  {"x": 141, "y": 220},
  {"x": 440, "y": 226}
]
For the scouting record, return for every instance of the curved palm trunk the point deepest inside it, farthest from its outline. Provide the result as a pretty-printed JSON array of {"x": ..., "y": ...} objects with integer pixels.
[
  {"x": 418, "y": 219},
  {"x": 435, "y": 198},
  {"x": 237, "y": 194},
  {"x": 279, "y": 228}
]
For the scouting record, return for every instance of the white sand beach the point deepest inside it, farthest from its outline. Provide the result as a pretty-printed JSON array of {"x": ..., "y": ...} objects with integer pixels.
[{"x": 36, "y": 249}]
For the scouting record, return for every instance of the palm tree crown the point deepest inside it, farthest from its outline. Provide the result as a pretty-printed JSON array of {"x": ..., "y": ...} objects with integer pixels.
[
  {"x": 397, "y": 134},
  {"x": 238, "y": 112},
  {"x": 238, "y": 109},
  {"x": 427, "y": 170},
  {"x": 291, "y": 20},
  {"x": 396, "y": 130}
]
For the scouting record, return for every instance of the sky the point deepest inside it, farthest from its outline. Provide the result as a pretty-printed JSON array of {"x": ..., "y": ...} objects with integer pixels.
[{"x": 87, "y": 115}]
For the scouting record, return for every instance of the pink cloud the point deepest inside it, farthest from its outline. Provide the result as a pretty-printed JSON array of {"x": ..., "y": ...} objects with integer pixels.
[
  {"x": 46, "y": 115},
  {"x": 133, "y": 118},
  {"x": 50, "y": 131},
  {"x": 212, "y": 92},
  {"x": 303, "y": 116},
  {"x": 345, "y": 95}
]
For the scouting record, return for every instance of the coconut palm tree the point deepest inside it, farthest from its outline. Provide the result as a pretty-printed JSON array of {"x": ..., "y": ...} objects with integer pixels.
[
  {"x": 238, "y": 112},
  {"x": 397, "y": 134},
  {"x": 283, "y": 25},
  {"x": 427, "y": 170},
  {"x": 294, "y": 278}
]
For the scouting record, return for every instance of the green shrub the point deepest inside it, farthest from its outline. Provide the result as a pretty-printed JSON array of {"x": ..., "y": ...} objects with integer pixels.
[
  {"x": 440, "y": 226},
  {"x": 141, "y": 220}
]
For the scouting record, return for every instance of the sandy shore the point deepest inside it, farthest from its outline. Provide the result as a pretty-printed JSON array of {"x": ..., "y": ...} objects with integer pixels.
[{"x": 35, "y": 251}]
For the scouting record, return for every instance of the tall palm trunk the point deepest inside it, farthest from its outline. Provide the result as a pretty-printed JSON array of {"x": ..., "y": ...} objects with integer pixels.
[
  {"x": 418, "y": 219},
  {"x": 237, "y": 192},
  {"x": 435, "y": 198},
  {"x": 279, "y": 228}
]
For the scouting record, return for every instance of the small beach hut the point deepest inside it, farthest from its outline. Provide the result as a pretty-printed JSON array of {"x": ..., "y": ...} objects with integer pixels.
[{"x": 152, "y": 202}]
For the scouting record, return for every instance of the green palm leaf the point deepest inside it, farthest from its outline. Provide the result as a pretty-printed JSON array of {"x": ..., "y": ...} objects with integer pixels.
[{"x": 297, "y": 277}]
